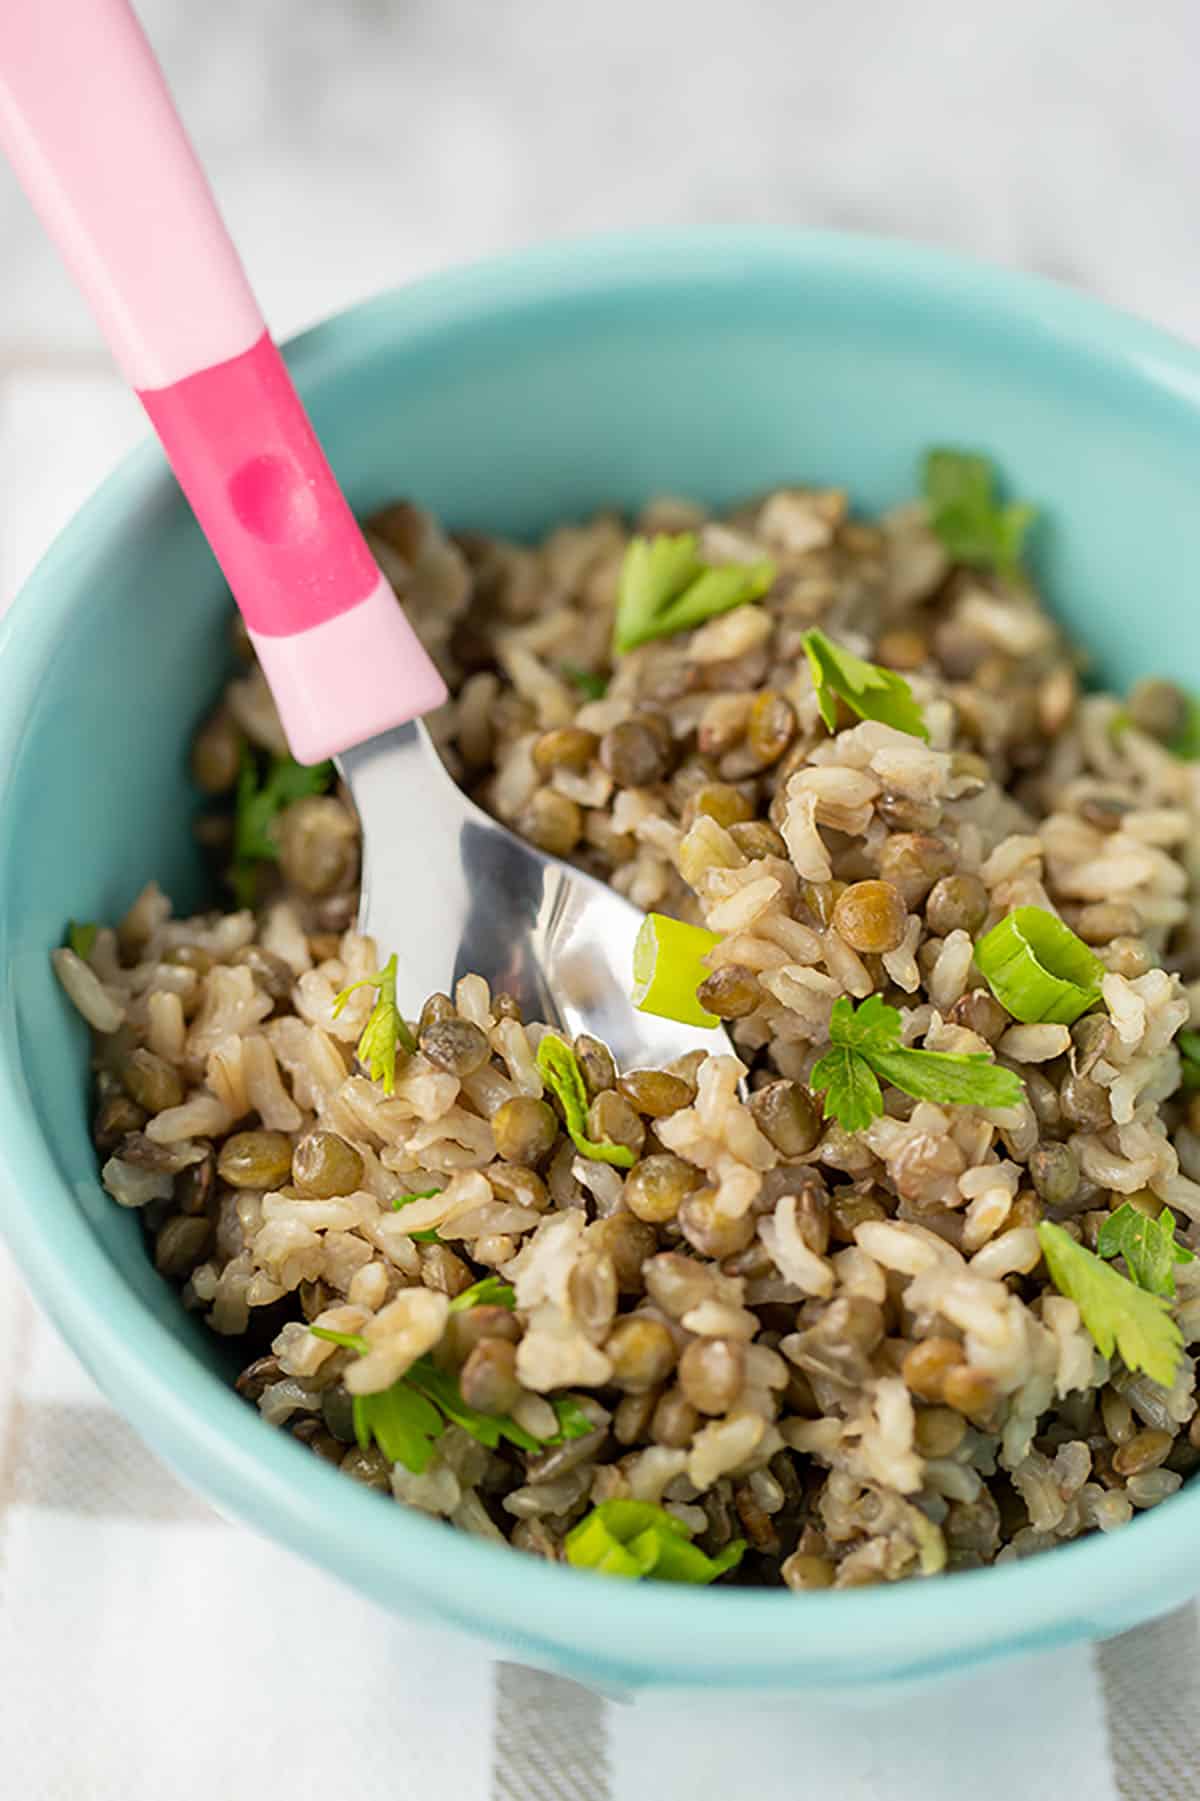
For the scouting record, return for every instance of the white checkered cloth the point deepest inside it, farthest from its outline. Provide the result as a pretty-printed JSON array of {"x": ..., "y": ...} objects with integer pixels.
[{"x": 151, "y": 1652}]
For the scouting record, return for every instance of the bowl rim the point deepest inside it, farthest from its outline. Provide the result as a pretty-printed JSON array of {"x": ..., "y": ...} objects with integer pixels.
[{"x": 628, "y": 1632}]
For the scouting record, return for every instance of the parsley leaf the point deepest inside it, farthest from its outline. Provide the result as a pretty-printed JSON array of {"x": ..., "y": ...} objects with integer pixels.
[
  {"x": 666, "y": 587},
  {"x": 865, "y": 1045},
  {"x": 852, "y": 1093},
  {"x": 1147, "y": 1245},
  {"x": 402, "y": 1421},
  {"x": 487, "y": 1428},
  {"x": 1188, "y": 1044},
  {"x": 966, "y": 516},
  {"x": 573, "y": 1422},
  {"x": 868, "y": 690},
  {"x": 406, "y": 1200},
  {"x": 945, "y": 1076},
  {"x": 1116, "y": 1313},
  {"x": 384, "y": 1030},
  {"x": 870, "y": 1027},
  {"x": 564, "y": 1078},
  {"x": 81, "y": 938},
  {"x": 490, "y": 1291},
  {"x": 406, "y": 1419},
  {"x": 637, "y": 1538},
  {"x": 590, "y": 684},
  {"x": 258, "y": 804}
]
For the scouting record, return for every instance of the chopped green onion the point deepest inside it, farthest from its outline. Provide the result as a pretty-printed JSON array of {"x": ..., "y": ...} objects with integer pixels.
[
  {"x": 1038, "y": 969},
  {"x": 564, "y": 1078},
  {"x": 81, "y": 938},
  {"x": 489, "y": 1291},
  {"x": 668, "y": 968},
  {"x": 868, "y": 690},
  {"x": 636, "y": 1539}
]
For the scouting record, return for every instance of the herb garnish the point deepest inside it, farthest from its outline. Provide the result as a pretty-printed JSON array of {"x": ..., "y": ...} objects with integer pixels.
[
  {"x": 385, "y": 1029},
  {"x": 407, "y": 1419},
  {"x": 865, "y": 1045},
  {"x": 637, "y": 1539},
  {"x": 259, "y": 802},
  {"x": 564, "y": 1078},
  {"x": 1148, "y": 1246},
  {"x": 1117, "y": 1313},
  {"x": 665, "y": 587},
  {"x": 963, "y": 510},
  {"x": 868, "y": 690}
]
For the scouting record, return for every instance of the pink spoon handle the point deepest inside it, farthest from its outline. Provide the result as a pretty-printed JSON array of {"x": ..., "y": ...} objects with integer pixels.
[{"x": 89, "y": 124}]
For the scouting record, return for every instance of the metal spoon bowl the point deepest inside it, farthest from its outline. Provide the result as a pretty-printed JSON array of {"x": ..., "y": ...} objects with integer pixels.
[{"x": 452, "y": 893}]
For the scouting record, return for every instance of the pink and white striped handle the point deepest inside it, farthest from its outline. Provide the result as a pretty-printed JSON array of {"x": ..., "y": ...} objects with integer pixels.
[{"x": 90, "y": 126}]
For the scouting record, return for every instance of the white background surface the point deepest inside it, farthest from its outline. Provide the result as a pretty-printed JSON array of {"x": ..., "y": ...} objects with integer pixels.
[{"x": 356, "y": 143}]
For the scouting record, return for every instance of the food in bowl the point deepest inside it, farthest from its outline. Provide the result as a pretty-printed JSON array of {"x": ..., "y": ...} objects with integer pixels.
[{"x": 903, "y": 1286}]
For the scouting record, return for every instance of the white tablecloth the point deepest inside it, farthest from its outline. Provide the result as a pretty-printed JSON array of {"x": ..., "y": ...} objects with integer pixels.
[{"x": 151, "y": 1652}]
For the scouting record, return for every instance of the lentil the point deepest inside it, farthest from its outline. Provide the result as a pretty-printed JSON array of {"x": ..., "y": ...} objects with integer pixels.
[
  {"x": 324, "y": 1165},
  {"x": 770, "y": 728},
  {"x": 657, "y": 1186},
  {"x": 611, "y": 1118},
  {"x": 957, "y": 903},
  {"x": 255, "y": 1160},
  {"x": 525, "y": 1130},
  {"x": 456, "y": 1045},
  {"x": 655, "y": 1093},
  {"x": 637, "y": 753},
  {"x": 1144, "y": 1451},
  {"x": 717, "y": 800},
  {"x": 150, "y": 1081},
  {"x": 870, "y": 916},
  {"x": 488, "y": 1380},
  {"x": 642, "y": 1353},
  {"x": 711, "y": 1372},
  {"x": 552, "y": 821},
  {"x": 566, "y": 747},
  {"x": 596, "y": 1064},
  {"x": 318, "y": 844},
  {"x": 928, "y": 1364},
  {"x": 709, "y": 1230},
  {"x": 788, "y": 1116},
  {"x": 217, "y": 753},
  {"x": 730, "y": 992},
  {"x": 912, "y": 862}
]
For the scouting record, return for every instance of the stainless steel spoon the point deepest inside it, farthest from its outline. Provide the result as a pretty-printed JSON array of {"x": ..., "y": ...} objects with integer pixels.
[
  {"x": 452, "y": 893},
  {"x": 91, "y": 129}
]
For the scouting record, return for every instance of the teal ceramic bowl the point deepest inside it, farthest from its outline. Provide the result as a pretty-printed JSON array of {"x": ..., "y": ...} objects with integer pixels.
[{"x": 507, "y": 397}]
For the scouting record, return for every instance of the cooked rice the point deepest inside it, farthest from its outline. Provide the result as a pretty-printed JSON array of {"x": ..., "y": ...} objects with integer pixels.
[{"x": 799, "y": 1302}]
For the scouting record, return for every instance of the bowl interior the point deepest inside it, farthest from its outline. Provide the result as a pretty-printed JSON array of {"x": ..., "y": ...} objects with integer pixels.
[{"x": 510, "y": 398}]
